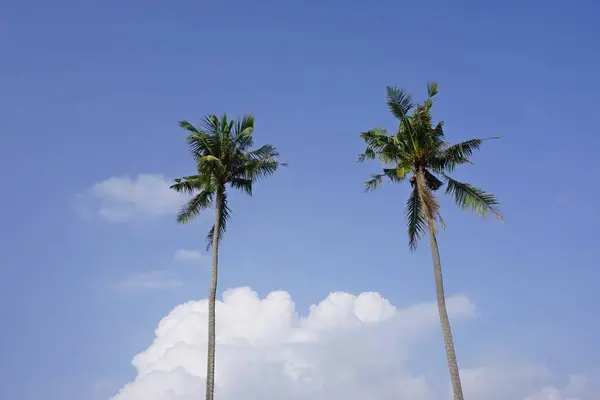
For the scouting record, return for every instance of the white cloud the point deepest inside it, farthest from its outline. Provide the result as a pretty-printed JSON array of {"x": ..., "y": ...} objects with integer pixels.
[
  {"x": 122, "y": 198},
  {"x": 153, "y": 280},
  {"x": 577, "y": 388},
  {"x": 348, "y": 347},
  {"x": 188, "y": 255}
]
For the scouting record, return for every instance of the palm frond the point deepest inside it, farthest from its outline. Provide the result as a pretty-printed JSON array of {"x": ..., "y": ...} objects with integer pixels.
[
  {"x": 258, "y": 169},
  {"x": 245, "y": 185},
  {"x": 380, "y": 144},
  {"x": 263, "y": 152},
  {"x": 432, "y": 89},
  {"x": 199, "y": 142},
  {"x": 459, "y": 153},
  {"x": 432, "y": 181},
  {"x": 242, "y": 136},
  {"x": 395, "y": 175},
  {"x": 369, "y": 154},
  {"x": 374, "y": 182},
  {"x": 470, "y": 197},
  {"x": 429, "y": 203},
  {"x": 211, "y": 126},
  {"x": 415, "y": 219},
  {"x": 224, "y": 217},
  {"x": 195, "y": 206},
  {"x": 376, "y": 138},
  {"x": 399, "y": 102},
  {"x": 187, "y": 184}
]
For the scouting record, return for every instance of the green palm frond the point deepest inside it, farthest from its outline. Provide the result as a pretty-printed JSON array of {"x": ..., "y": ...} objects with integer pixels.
[
  {"x": 394, "y": 175},
  {"x": 369, "y": 154},
  {"x": 373, "y": 183},
  {"x": 199, "y": 142},
  {"x": 463, "y": 150},
  {"x": 470, "y": 197},
  {"x": 399, "y": 102},
  {"x": 451, "y": 156},
  {"x": 244, "y": 129},
  {"x": 263, "y": 152},
  {"x": 211, "y": 126},
  {"x": 245, "y": 185},
  {"x": 380, "y": 144},
  {"x": 187, "y": 184},
  {"x": 224, "y": 217},
  {"x": 432, "y": 181},
  {"x": 432, "y": 89},
  {"x": 376, "y": 138},
  {"x": 415, "y": 219},
  {"x": 195, "y": 206},
  {"x": 256, "y": 170}
]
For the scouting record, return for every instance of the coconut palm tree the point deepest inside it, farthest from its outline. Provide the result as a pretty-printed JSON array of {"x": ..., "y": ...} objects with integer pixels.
[
  {"x": 419, "y": 153},
  {"x": 224, "y": 159}
]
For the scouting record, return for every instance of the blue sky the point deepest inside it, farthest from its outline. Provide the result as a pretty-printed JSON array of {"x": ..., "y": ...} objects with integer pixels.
[{"x": 93, "y": 90}]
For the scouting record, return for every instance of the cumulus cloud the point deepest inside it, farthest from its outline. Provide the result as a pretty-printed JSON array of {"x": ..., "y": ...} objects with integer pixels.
[
  {"x": 122, "y": 198},
  {"x": 348, "y": 347},
  {"x": 188, "y": 255},
  {"x": 576, "y": 388},
  {"x": 153, "y": 280}
]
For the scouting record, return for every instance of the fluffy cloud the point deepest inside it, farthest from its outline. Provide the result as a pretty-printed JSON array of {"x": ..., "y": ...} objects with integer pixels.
[
  {"x": 121, "y": 199},
  {"x": 153, "y": 280},
  {"x": 188, "y": 255},
  {"x": 349, "y": 347}
]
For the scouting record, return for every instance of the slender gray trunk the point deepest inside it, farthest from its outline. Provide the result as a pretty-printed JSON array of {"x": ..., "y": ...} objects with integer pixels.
[
  {"x": 444, "y": 320},
  {"x": 212, "y": 297}
]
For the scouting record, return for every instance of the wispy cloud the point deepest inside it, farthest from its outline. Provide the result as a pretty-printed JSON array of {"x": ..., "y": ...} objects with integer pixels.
[
  {"x": 153, "y": 280},
  {"x": 122, "y": 198},
  {"x": 189, "y": 255}
]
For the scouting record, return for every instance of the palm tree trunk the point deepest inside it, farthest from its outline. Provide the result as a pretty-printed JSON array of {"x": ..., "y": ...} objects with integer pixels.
[
  {"x": 212, "y": 297},
  {"x": 444, "y": 320}
]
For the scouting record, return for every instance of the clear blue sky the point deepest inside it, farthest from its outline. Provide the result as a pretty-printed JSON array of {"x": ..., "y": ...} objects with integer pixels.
[{"x": 94, "y": 89}]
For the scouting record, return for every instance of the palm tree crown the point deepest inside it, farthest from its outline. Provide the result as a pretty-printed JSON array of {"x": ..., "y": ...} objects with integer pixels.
[
  {"x": 419, "y": 152},
  {"x": 223, "y": 155}
]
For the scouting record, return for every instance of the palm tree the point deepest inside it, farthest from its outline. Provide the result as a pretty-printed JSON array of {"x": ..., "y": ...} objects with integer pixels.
[
  {"x": 419, "y": 153},
  {"x": 222, "y": 151}
]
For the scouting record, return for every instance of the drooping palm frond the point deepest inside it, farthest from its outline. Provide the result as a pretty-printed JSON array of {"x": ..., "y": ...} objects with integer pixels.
[
  {"x": 224, "y": 217},
  {"x": 432, "y": 181},
  {"x": 429, "y": 203},
  {"x": 470, "y": 197},
  {"x": 245, "y": 185},
  {"x": 194, "y": 207},
  {"x": 415, "y": 219}
]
